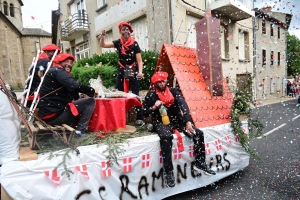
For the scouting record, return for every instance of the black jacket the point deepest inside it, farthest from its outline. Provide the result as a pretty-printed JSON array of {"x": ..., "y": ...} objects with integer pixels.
[
  {"x": 36, "y": 79},
  {"x": 59, "y": 89},
  {"x": 178, "y": 112}
]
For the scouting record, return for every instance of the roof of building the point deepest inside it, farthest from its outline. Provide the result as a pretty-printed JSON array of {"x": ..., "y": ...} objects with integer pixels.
[
  {"x": 35, "y": 32},
  {"x": 206, "y": 110}
]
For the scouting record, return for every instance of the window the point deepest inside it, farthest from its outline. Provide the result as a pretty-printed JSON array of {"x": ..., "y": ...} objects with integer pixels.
[
  {"x": 263, "y": 26},
  {"x": 242, "y": 81},
  {"x": 101, "y": 3},
  {"x": 11, "y": 10},
  {"x": 264, "y": 59},
  {"x": 272, "y": 84},
  {"x": 278, "y": 84},
  {"x": 108, "y": 38},
  {"x": 5, "y": 8},
  {"x": 190, "y": 26},
  {"x": 141, "y": 33},
  {"x": 272, "y": 57},
  {"x": 224, "y": 42},
  {"x": 272, "y": 30},
  {"x": 278, "y": 58},
  {"x": 244, "y": 45},
  {"x": 82, "y": 51},
  {"x": 278, "y": 32},
  {"x": 264, "y": 86}
]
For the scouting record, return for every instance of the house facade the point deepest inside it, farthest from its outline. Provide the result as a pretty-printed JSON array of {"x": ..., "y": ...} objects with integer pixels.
[
  {"x": 164, "y": 22},
  {"x": 18, "y": 45},
  {"x": 270, "y": 32}
]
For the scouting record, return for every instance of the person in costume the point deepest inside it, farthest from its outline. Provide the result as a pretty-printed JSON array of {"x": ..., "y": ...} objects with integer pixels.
[
  {"x": 39, "y": 70},
  {"x": 179, "y": 121},
  {"x": 59, "y": 97},
  {"x": 129, "y": 53}
]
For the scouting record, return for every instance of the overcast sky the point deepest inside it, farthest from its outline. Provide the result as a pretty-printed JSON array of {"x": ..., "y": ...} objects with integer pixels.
[{"x": 37, "y": 13}]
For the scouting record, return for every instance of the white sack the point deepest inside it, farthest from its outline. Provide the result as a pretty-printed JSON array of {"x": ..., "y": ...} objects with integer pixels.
[{"x": 10, "y": 134}]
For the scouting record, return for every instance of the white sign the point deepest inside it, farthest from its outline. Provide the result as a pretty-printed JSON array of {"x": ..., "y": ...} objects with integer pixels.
[{"x": 139, "y": 174}]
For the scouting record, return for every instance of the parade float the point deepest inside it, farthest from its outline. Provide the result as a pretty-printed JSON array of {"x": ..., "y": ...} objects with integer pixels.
[{"x": 136, "y": 172}]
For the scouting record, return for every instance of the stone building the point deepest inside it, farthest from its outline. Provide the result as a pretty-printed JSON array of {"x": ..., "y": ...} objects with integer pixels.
[
  {"x": 18, "y": 45},
  {"x": 156, "y": 23},
  {"x": 270, "y": 44}
]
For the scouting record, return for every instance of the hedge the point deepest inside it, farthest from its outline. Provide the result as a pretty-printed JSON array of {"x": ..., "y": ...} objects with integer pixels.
[{"x": 108, "y": 69}]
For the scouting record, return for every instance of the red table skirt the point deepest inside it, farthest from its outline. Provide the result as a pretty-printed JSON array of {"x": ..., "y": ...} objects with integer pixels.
[{"x": 110, "y": 113}]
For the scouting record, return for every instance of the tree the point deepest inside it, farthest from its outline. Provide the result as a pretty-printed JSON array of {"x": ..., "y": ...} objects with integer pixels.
[{"x": 293, "y": 55}]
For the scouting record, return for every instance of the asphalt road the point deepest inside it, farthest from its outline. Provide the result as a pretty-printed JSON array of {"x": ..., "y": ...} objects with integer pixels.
[{"x": 278, "y": 176}]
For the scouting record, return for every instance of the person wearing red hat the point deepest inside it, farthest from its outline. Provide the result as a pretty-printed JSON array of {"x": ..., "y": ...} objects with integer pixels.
[
  {"x": 179, "y": 120},
  {"x": 129, "y": 54},
  {"x": 41, "y": 66},
  {"x": 59, "y": 97}
]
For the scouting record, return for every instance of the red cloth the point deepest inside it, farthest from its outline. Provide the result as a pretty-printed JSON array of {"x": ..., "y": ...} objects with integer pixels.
[
  {"x": 125, "y": 82},
  {"x": 159, "y": 76},
  {"x": 110, "y": 113},
  {"x": 62, "y": 57},
  {"x": 179, "y": 140},
  {"x": 166, "y": 97},
  {"x": 126, "y": 45},
  {"x": 125, "y": 24},
  {"x": 51, "y": 47},
  {"x": 73, "y": 109},
  {"x": 43, "y": 56}
]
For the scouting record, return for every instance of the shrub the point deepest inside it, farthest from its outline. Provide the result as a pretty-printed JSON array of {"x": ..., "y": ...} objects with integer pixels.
[
  {"x": 108, "y": 70},
  {"x": 107, "y": 74}
]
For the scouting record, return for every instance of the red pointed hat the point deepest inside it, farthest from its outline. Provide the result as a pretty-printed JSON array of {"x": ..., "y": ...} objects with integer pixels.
[
  {"x": 125, "y": 24},
  {"x": 62, "y": 57},
  {"x": 51, "y": 47},
  {"x": 159, "y": 76}
]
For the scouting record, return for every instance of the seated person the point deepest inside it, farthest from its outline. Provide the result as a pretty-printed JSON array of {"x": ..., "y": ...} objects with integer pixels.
[
  {"x": 57, "y": 95},
  {"x": 180, "y": 119},
  {"x": 40, "y": 69}
]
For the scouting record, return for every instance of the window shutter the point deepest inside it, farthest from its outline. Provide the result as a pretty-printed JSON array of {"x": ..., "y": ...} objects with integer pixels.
[{"x": 241, "y": 45}]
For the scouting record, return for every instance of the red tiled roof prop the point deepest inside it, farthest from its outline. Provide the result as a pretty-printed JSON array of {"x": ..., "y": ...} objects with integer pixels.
[{"x": 206, "y": 110}]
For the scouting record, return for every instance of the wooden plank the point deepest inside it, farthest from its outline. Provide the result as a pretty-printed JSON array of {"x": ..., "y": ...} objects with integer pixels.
[
  {"x": 4, "y": 194},
  {"x": 26, "y": 154},
  {"x": 69, "y": 128},
  {"x": 41, "y": 127}
]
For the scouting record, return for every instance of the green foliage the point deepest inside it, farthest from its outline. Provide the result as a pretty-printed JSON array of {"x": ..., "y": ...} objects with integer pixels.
[
  {"x": 149, "y": 62},
  {"x": 84, "y": 74},
  {"x": 243, "y": 99},
  {"x": 293, "y": 55},
  {"x": 108, "y": 70}
]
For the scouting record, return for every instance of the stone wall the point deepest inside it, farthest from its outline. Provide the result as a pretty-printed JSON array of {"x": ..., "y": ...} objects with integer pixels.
[
  {"x": 31, "y": 45},
  {"x": 11, "y": 57}
]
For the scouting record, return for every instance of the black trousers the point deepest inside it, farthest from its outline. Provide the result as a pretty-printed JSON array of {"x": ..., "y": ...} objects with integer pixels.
[
  {"x": 135, "y": 88},
  {"x": 85, "y": 108},
  {"x": 165, "y": 134}
]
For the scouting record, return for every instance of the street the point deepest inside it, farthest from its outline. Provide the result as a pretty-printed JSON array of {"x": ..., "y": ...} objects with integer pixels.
[{"x": 278, "y": 175}]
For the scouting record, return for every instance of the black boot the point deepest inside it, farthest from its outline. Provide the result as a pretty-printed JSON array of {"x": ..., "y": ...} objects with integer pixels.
[
  {"x": 170, "y": 180},
  {"x": 203, "y": 167}
]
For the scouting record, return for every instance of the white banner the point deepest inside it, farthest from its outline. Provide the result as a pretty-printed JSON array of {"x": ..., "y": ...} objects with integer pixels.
[{"x": 138, "y": 175}]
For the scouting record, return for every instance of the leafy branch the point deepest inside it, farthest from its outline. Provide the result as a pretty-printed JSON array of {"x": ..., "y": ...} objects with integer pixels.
[{"x": 242, "y": 105}]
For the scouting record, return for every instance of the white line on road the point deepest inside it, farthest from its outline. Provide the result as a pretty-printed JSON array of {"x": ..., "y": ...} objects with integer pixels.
[
  {"x": 271, "y": 131},
  {"x": 295, "y": 117}
]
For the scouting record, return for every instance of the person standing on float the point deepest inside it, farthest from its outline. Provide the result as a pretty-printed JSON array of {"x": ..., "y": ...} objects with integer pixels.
[{"x": 129, "y": 53}]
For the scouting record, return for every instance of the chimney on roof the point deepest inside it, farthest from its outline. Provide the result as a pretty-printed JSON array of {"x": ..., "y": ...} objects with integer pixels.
[{"x": 267, "y": 9}]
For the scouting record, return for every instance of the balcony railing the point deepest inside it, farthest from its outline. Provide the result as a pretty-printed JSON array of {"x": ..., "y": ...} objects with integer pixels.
[{"x": 75, "y": 26}]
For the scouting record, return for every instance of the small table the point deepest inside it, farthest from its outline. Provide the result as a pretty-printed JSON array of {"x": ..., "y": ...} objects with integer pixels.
[{"x": 110, "y": 113}]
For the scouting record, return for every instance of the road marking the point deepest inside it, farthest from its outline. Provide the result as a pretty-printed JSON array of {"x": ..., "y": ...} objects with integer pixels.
[
  {"x": 271, "y": 131},
  {"x": 295, "y": 117}
]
